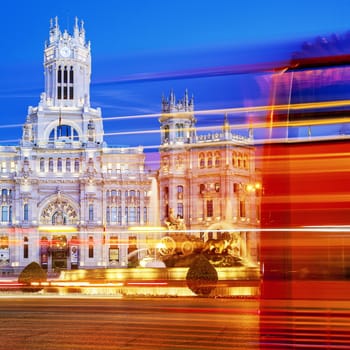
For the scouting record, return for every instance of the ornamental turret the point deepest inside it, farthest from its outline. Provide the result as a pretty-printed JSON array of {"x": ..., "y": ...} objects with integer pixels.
[
  {"x": 64, "y": 117},
  {"x": 67, "y": 64},
  {"x": 177, "y": 120}
]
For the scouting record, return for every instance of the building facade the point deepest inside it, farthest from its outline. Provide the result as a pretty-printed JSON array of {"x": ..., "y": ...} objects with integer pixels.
[
  {"x": 210, "y": 180},
  {"x": 67, "y": 198},
  {"x": 69, "y": 201}
]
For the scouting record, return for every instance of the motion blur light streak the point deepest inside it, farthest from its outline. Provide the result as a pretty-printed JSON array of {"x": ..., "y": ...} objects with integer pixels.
[
  {"x": 305, "y": 325},
  {"x": 147, "y": 283},
  {"x": 233, "y": 111}
]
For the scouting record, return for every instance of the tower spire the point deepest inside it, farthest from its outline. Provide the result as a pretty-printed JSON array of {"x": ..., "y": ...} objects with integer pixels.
[
  {"x": 76, "y": 27},
  {"x": 54, "y": 30},
  {"x": 82, "y": 32},
  {"x": 186, "y": 100},
  {"x": 226, "y": 127},
  {"x": 172, "y": 97}
]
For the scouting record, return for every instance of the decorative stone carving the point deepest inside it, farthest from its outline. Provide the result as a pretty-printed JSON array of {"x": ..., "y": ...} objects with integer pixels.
[
  {"x": 59, "y": 212},
  {"x": 174, "y": 223}
]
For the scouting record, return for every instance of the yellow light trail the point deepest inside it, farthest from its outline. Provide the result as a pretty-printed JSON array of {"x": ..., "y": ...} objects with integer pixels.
[{"x": 233, "y": 110}]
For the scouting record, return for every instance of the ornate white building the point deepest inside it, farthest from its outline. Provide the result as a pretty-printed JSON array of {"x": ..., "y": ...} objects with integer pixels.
[{"x": 68, "y": 200}]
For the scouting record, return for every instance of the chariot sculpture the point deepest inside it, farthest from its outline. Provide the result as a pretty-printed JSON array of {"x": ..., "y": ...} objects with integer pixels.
[{"x": 177, "y": 243}]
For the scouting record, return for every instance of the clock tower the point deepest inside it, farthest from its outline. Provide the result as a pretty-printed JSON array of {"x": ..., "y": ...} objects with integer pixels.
[
  {"x": 64, "y": 115},
  {"x": 67, "y": 64}
]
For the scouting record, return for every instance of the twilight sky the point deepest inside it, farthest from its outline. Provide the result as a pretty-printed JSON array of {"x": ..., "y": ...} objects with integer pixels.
[{"x": 143, "y": 48}]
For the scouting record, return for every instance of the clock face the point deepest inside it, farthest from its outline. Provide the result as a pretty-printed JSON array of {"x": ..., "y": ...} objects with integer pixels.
[{"x": 65, "y": 51}]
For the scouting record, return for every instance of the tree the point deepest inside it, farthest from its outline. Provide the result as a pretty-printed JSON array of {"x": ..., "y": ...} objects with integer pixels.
[
  {"x": 202, "y": 276},
  {"x": 32, "y": 273}
]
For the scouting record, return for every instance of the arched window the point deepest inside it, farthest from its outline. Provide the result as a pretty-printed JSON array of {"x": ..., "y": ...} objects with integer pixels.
[
  {"x": 132, "y": 215},
  {"x": 25, "y": 212},
  {"x": 91, "y": 212},
  {"x": 59, "y": 165},
  {"x": 71, "y": 75},
  {"x": 239, "y": 160},
  {"x": 180, "y": 210},
  {"x": 4, "y": 213},
  {"x": 51, "y": 165},
  {"x": 217, "y": 159},
  {"x": 119, "y": 215},
  {"x": 4, "y": 195},
  {"x": 68, "y": 167},
  {"x": 76, "y": 165},
  {"x": 114, "y": 215},
  {"x": 201, "y": 160},
  {"x": 71, "y": 81},
  {"x": 245, "y": 161},
  {"x": 179, "y": 130},
  {"x": 138, "y": 215},
  {"x": 166, "y": 133},
  {"x": 210, "y": 159},
  {"x": 234, "y": 159},
  {"x": 42, "y": 165},
  {"x": 65, "y": 81},
  {"x": 145, "y": 218},
  {"x": 59, "y": 82},
  {"x": 59, "y": 74},
  {"x": 65, "y": 75},
  {"x": 126, "y": 214},
  {"x": 64, "y": 133},
  {"x": 180, "y": 191},
  {"x": 108, "y": 215}
]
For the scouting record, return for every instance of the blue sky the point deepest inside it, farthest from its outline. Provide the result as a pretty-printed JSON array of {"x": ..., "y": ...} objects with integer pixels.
[{"x": 136, "y": 39}]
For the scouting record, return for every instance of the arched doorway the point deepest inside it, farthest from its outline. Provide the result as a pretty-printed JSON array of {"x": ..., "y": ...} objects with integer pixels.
[
  {"x": 59, "y": 249},
  {"x": 59, "y": 252}
]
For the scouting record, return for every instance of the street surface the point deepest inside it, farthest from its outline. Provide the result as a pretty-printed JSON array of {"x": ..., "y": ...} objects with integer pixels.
[
  {"x": 49, "y": 323},
  {"x": 101, "y": 323}
]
